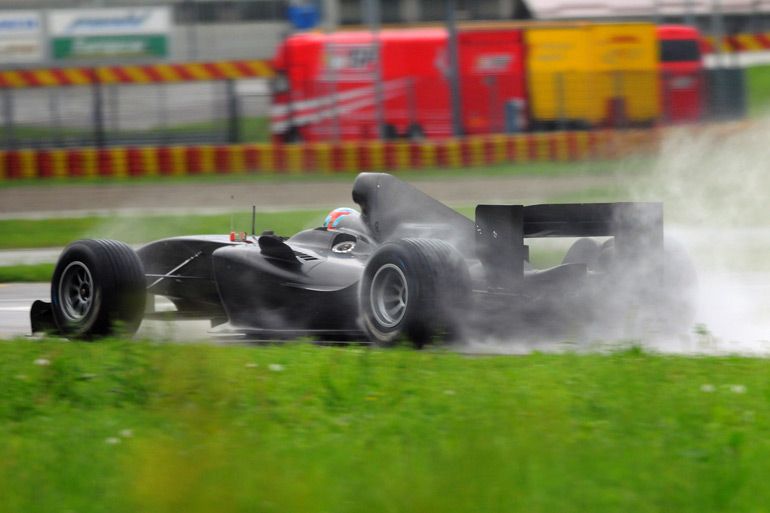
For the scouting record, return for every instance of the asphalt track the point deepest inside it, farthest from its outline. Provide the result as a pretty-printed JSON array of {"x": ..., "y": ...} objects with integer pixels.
[
  {"x": 16, "y": 299},
  {"x": 732, "y": 307},
  {"x": 130, "y": 199}
]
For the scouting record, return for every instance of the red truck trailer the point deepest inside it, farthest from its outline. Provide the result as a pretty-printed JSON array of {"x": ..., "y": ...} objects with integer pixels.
[{"x": 325, "y": 84}]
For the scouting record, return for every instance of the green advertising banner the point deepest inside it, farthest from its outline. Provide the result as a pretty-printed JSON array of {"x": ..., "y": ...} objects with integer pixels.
[{"x": 108, "y": 47}]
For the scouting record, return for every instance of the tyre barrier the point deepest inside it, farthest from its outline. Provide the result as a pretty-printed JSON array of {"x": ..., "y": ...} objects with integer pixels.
[{"x": 323, "y": 158}]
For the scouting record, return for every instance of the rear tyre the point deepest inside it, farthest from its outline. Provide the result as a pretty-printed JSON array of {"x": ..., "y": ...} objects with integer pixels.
[
  {"x": 668, "y": 308},
  {"x": 414, "y": 290},
  {"x": 676, "y": 304},
  {"x": 98, "y": 289},
  {"x": 583, "y": 251}
]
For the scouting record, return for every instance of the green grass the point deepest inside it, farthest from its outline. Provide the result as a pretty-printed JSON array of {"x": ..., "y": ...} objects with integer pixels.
[
  {"x": 24, "y": 233},
  {"x": 758, "y": 90},
  {"x": 138, "y": 426},
  {"x": 26, "y": 273}
]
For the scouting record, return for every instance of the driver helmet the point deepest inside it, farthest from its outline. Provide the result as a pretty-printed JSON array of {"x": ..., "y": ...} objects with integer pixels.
[{"x": 335, "y": 216}]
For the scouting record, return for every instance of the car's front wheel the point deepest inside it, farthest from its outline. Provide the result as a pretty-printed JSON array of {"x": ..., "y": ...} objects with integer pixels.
[
  {"x": 414, "y": 290},
  {"x": 98, "y": 289}
]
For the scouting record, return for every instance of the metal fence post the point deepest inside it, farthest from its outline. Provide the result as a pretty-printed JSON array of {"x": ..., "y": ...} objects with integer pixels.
[
  {"x": 114, "y": 110},
  {"x": 561, "y": 113},
  {"x": 192, "y": 14},
  {"x": 162, "y": 112},
  {"x": 233, "y": 117},
  {"x": 494, "y": 104},
  {"x": 98, "y": 111},
  {"x": 619, "y": 100},
  {"x": 454, "y": 68},
  {"x": 54, "y": 107},
  {"x": 374, "y": 15},
  {"x": 666, "y": 81},
  {"x": 411, "y": 103},
  {"x": 335, "y": 111},
  {"x": 8, "y": 117}
]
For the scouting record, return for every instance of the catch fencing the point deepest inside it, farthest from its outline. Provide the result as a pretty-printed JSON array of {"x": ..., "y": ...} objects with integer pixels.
[
  {"x": 230, "y": 103},
  {"x": 125, "y": 105}
]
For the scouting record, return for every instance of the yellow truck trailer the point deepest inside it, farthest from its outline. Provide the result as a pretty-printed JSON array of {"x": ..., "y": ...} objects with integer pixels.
[{"x": 593, "y": 74}]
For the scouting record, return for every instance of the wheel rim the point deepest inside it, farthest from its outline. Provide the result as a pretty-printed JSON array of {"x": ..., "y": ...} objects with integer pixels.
[
  {"x": 76, "y": 292},
  {"x": 389, "y": 295}
]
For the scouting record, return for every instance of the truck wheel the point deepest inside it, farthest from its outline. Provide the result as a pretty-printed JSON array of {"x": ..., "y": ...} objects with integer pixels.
[
  {"x": 389, "y": 132},
  {"x": 98, "y": 289},
  {"x": 415, "y": 290},
  {"x": 415, "y": 132},
  {"x": 293, "y": 135}
]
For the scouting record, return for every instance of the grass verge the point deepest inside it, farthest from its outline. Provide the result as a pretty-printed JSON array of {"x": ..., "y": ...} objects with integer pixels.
[
  {"x": 26, "y": 273},
  {"x": 758, "y": 90},
  {"x": 24, "y": 233},
  {"x": 137, "y": 426}
]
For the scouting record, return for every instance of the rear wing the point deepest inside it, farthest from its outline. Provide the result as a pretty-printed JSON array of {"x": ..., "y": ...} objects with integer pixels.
[{"x": 501, "y": 230}]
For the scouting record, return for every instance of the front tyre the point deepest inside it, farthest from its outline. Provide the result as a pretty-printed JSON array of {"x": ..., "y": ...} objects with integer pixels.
[
  {"x": 98, "y": 289},
  {"x": 415, "y": 290}
]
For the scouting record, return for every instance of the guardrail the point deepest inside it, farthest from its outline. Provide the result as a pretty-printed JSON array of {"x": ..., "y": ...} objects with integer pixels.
[
  {"x": 126, "y": 162},
  {"x": 149, "y": 74},
  {"x": 758, "y": 41}
]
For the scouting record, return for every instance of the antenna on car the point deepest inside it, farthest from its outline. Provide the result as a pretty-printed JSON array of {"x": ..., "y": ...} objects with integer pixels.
[
  {"x": 232, "y": 210},
  {"x": 253, "y": 219}
]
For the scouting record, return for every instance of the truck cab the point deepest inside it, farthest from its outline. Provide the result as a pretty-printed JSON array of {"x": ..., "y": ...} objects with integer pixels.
[{"x": 681, "y": 74}]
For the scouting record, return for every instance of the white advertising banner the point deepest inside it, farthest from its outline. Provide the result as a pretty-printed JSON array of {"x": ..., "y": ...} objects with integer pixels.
[
  {"x": 109, "y": 22},
  {"x": 109, "y": 33},
  {"x": 21, "y": 37}
]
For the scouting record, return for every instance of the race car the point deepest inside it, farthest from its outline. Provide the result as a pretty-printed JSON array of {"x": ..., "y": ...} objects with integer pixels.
[{"x": 403, "y": 267}]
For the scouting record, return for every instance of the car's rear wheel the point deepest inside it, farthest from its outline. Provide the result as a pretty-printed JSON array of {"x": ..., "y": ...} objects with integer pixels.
[
  {"x": 583, "y": 251},
  {"x": 666, "y": 307},
  {"x": 414, "y": 290},
  {"x": 98, "y": 289}
]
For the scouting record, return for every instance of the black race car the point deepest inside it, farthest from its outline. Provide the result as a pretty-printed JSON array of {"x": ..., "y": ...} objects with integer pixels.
[{"x": 406, "y": 268}]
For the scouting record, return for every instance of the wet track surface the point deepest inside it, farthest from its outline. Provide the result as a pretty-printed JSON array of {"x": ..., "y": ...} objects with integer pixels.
[
  {"x": 733, "y": 318},
  {"x": 16, "y": 299},
  {"x": 102, "y": 199}
]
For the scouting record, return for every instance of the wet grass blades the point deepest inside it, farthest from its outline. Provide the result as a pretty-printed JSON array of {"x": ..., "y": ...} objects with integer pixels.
[{"x": 139, "y": 426}]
